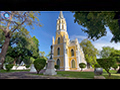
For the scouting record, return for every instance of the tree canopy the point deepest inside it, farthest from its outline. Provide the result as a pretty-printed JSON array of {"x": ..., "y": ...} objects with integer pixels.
[
  {"x": 89, "y": 50},
  {"x": 12, "y": 23},
  {"x": 106, "y": 51},
  {"x": 116, "y": 55},
  {"x": 96, "y": 23}
]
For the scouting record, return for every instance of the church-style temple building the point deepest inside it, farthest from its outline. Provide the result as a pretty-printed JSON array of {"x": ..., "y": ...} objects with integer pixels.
[{"x": 66, "y": 53}]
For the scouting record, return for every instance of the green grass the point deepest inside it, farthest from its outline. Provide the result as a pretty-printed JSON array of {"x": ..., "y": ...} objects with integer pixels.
[
  {"x": 84, "y": 75},
  {"x": 114, "y": 74},
  {"x": 87, "y": 75},
  {"x": 72, "y": 74},
  {"x": 4, "y": 71}
]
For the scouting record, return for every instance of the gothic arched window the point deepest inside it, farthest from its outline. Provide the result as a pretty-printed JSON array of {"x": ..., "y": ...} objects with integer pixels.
[
  {"x": 72, "y": 52},
  {"x": 58, "y": 51},
  {"x": 59, "y": 40},
  {"x": 58, "y": 63},
  {"x": 73, "y": 63},
  {"x": 62, "y": 26}
]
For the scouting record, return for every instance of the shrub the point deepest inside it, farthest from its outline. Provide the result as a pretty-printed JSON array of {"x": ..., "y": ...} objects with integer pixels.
[
  {"x": 106, "y": 63},
  {"x": 56, "y": 66},
  {"x": 8, "y": 67},
  {"x": 82, "y": 65},
  {"x": 39, "y": 64},
  {"x": 27, "y": 66}
]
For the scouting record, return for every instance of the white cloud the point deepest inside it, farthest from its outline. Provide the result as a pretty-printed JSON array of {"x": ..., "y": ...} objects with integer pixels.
[
  {"x": 102, "y": 42},
  {"x": 105, "y": 41},
  {"x": 79, "y": 37},
  {"x": 99, "y": 45}
]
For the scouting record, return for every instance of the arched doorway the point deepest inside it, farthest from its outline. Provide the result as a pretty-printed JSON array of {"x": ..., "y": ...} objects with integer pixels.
[
  {"x": 73, "y": 63},
  {"x": 58, "y": 63}
]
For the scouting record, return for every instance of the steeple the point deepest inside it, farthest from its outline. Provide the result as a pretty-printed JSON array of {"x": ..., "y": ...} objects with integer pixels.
[
  {"x": 61, "y": 15},
  {"x": 61, "y": 23}
]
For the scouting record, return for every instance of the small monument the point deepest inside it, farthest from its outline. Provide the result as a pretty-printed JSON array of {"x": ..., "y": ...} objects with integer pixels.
[
  {"x": 50, "y": 68},
  {"x": 32, "y": 68}
]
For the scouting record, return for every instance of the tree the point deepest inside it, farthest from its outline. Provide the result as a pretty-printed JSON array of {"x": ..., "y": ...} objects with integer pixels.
[
  {"x": 82, "y": 65},
  {"x": 9, "y": 60},
  {"x": 116, "y": 55},
  {"x": 2, "y": 38},
  {"x": 15, "y": 21},
  {"x": 90, "y": 51},
  {"x": 115, "y": 66},
  {"x": 106, "y": 51},
  {"x": 35, "y": 47},
  {"x": 42, "y": 54},
  {"x": 21, "y": 41},
  {"x": 106, "y": 63},
  {"x": 48, "y": 55},
  {"x": 39, "y": 64},
  {"x": 96, "y": 23}
]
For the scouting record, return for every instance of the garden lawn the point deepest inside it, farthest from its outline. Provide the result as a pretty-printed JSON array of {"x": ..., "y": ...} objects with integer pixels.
[
  {"x": 114, "y": 74},
  {"x": 72, "y": 74},
  {"x": 4, "y": 71},
  {"x": 84, "y": 75}
]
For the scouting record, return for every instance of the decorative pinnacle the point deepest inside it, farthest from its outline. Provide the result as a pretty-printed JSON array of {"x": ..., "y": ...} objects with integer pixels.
[{"x": 61, "y": 15}]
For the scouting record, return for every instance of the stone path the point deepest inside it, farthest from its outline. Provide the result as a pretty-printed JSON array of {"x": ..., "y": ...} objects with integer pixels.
[{"x": 26, "y": 75}]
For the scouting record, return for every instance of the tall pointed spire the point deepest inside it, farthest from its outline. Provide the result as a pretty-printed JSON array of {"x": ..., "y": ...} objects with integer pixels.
[{"x": 61, "y": 15}]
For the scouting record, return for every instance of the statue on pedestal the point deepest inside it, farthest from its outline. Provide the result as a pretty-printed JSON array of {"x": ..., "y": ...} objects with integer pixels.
[{"x": 50, "y": 68}]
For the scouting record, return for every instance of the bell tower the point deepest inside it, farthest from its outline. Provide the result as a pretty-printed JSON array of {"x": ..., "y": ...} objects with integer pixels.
[
  {"x": 61, "y": 23},
  {"x": 60, "y": 43},
  {"x": 62, "y": 47},
  {"x": 61, "y": 29}
]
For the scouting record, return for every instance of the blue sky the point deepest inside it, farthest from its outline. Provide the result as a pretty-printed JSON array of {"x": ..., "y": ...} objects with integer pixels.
[{"x": 45, "y": 33}]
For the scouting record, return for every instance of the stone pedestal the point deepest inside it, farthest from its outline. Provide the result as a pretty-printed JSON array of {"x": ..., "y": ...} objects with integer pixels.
[
  {"x": 32, "y": 68},
  {"x": 50, "y": 68}
]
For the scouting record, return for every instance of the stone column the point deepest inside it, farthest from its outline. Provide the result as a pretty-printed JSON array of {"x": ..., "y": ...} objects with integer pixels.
[{"x": 65, "y": 57}]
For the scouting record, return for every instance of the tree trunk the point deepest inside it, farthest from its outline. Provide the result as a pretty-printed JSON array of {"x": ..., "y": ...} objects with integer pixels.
[
  {"x": 81, "y": 69},
  {"x": 4, "y": 50},
  {"x": 37, "y": 71},
  {"x": 109, "y": 73},
  {"x": 15, "y": 61}
]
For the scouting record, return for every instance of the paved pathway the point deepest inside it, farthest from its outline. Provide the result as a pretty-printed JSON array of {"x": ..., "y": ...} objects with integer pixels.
[{"x": 26, "y": 75}]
